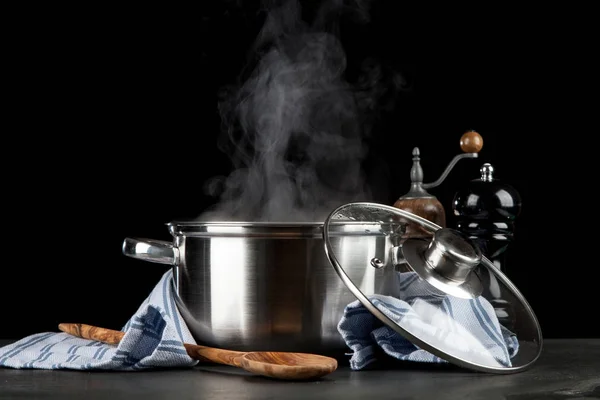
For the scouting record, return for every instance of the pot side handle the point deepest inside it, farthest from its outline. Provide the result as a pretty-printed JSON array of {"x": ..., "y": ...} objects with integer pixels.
[{"x": 156, "y": 251}]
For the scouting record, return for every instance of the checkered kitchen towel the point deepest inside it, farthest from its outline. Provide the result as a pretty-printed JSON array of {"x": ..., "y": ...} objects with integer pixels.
[
  {"x": 467, "y": 328},
  {"x": 154, "y": 338}
]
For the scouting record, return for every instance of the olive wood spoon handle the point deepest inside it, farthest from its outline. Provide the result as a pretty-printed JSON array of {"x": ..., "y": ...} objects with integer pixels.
[{"x": 280, "y": 365}]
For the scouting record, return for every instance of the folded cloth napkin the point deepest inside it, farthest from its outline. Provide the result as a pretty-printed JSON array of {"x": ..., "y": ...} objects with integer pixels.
[
  {"x": 154, "y": 338},
  {"x": 467, "y": 328}
]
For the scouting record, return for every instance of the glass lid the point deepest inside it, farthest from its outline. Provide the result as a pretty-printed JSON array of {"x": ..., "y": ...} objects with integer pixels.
[{"x": 436, "y": 290}]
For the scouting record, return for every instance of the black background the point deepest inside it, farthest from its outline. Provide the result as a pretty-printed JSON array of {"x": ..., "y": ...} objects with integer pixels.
[{"x": 111, "y": 131}]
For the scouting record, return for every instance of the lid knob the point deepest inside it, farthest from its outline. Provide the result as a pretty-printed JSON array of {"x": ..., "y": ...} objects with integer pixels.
[
  {"x": 446, "y": 262},
  {"x": 451, "y": 256}
]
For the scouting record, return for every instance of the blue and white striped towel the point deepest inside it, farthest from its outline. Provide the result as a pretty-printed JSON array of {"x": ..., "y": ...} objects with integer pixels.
[
  {"x": 154, "y": 338},
  {"x": 466, "y": 328}
]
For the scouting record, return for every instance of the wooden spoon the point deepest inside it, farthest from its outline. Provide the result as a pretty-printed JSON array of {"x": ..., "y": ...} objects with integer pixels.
[{"x": 280, "y": 365}]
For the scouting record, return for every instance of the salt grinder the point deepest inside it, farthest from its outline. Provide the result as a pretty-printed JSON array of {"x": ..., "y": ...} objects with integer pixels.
[
  {"x": 419, "y": 201},
  {"x": 486, "y": 210}
]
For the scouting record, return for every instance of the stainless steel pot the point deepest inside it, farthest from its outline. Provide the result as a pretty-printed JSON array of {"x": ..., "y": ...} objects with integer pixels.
[{"x": 269, "y": 286}]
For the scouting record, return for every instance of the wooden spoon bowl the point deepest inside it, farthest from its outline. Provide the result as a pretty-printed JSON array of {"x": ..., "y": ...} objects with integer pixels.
[
  {"x": 284, "y": 364},
  {"x": 279, "y": 365}
]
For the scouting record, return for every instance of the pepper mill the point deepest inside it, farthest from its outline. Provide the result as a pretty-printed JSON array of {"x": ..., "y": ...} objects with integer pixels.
[
  {"x": 486, "y": 210},
  {"x": 419, "y": 201}
]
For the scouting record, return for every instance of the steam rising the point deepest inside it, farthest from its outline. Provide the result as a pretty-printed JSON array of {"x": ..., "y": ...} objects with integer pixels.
[{"x": 295, "y": 129}]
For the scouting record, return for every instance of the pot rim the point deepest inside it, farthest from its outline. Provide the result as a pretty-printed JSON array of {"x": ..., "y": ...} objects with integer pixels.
[{"x": 278, "y": 229}]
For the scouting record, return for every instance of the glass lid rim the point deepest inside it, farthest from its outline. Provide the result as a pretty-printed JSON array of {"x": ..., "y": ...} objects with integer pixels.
[{"x": 405, "y": 333}]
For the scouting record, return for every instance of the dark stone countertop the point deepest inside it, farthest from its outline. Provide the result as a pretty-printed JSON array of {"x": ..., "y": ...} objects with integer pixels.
[{"x": 566, "y": 369}]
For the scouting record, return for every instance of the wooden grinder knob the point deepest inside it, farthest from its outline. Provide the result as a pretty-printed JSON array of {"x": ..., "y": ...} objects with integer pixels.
[{"x": 471, "y": 142}]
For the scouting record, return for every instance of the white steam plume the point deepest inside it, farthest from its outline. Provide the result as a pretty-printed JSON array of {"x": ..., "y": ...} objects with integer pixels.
[{"x": 295, "y": 128}]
